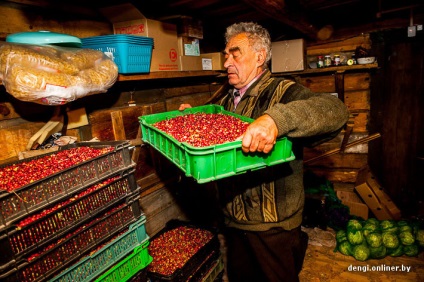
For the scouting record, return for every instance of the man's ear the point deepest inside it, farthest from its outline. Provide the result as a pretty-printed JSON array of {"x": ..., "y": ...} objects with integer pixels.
[{"x": 260, "y": 57}]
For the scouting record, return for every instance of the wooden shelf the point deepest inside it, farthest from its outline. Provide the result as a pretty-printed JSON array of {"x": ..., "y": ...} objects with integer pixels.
[
  {"x": 168, "y": 75},
  {"x": 331, "y": 70},
  {"x": 188, "y": 74}
]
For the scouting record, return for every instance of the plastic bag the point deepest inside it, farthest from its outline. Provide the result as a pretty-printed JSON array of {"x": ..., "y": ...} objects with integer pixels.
[{"x": 53, "y": 75}]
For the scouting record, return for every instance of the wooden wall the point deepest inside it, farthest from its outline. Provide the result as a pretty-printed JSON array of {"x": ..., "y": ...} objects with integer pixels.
[{"x": 157, "y": 177}]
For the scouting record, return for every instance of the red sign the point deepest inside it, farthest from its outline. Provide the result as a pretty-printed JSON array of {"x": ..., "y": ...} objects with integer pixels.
[
  {"x": 173, "y": 55},
  {"x": 132, "y": 29}
]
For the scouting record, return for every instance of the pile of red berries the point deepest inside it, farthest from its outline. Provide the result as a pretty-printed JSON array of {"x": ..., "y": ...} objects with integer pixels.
[
  {"x": 171, "y": 250},
  {"x": 202, "y": 129},
  {"x": 20, "y": 174}
]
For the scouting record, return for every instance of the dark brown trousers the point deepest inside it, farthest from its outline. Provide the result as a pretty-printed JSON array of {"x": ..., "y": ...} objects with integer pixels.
[{"x": 274, "y": 256}]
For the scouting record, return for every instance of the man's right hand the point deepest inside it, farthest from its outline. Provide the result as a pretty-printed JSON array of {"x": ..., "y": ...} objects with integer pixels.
[{"x": 184, "y": 106}]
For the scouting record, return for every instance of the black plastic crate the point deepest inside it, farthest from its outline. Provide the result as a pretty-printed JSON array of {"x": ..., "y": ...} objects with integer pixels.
[
  {"x": 205, "y": 266},
  {"x": 72, "y": 246},
  {"x": 35, "y": 196},
  {"x": 40, "y": 228},
  {"x": 205, "y": 253}
]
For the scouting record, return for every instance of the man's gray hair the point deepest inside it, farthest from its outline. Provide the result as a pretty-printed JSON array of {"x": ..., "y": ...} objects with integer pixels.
[{"x": 259, "y": 37}]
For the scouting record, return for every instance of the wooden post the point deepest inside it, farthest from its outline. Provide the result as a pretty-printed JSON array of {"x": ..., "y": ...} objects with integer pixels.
[{"x": 118, "y": 125}]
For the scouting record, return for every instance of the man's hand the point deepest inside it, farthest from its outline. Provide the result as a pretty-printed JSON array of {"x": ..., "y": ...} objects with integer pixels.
[
  {"x": 184, "y": 106},
  {"x": 260, "y": 136}
]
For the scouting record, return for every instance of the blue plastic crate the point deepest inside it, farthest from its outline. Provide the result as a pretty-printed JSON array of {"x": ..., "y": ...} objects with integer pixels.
[{"x": 132, "y": 54}]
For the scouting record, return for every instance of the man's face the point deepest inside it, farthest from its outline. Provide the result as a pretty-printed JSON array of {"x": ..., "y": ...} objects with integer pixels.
[{"x": 241, "y": 61}]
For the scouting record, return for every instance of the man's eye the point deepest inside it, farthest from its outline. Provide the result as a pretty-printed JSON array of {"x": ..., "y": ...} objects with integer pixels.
[{"x": 236, "y": 54}]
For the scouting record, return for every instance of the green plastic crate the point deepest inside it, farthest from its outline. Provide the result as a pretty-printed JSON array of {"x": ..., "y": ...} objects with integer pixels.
[
  {"x": 94, "y": 265},
  {"x": 129, "y": 266},
  {"x": 210, "y": 163}
]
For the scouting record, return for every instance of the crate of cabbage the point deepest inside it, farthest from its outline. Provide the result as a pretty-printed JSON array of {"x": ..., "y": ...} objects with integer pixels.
[
  {"x": 203, "y": 142},
  {"x": 376, "y": 239}
]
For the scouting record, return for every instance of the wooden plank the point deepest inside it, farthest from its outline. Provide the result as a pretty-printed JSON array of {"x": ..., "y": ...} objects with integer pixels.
[
  {"x": 188, "y": 90},
  {"x": 160, "y": 207},
  {"x": 357, "y": 100},
  {"x": 320, "y": 84},
  {"x": 339, "y": 83},
  {"x": 357, "y": 81},
  {"x": 326, "y": 83},
  {"x": 194, "y": 100},
  {"x": 340, "y": 160},
  {"x": 351, "y": 144},
  {"x": 101, "y": 122},
  {"x": 118, "y": 125},
  {"x": 361, "y": 123},
  {"x": 14, "y": 138},
  {"x": 335, "y": 175},
  {"x": 346, "y": 45},
  {"x": 336, "y": 142}
]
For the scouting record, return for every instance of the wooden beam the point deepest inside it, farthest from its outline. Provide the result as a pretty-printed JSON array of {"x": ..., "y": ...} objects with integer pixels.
[
  {"x": 118, "y": 125},
  {"x": 277, "y": 10}
]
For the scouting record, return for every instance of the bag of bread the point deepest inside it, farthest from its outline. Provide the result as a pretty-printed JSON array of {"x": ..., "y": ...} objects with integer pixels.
[{"x": 54, "y": 75}]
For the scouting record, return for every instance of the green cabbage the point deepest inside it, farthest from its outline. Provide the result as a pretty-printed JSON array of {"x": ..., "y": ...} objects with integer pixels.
[
  {"x": 345, "y": 248},
  {"x": 369, "y": 227},
  {"x": 401, "y": 223},
  {"x": 411, "y": 250},
  {"x": 355, "y": 236},
  {"x": 361, "y": 252},
  {"x": 341, "y": 236},
  {"x": 420, "y": 237},
  {"x": 389, "y": 226},
  {"x": 390, "y": 240},
  {"x": 374, "y": 239},
  {"x": 404, "y": 228},
  {"x": 407, "y": 238},
  {"x": 354, "y": 224},
  {"x": 378, "y": 252},
  {"x": 372, "y": 221},
  {"x": 395, "y": 252}
]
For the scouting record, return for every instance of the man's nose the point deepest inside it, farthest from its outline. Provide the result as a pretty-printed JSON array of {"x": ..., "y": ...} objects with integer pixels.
[{"x": 228, "y": 62}]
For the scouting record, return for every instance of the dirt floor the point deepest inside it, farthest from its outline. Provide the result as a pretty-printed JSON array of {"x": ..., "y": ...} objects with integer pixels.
[{"x": 323, "y": 264}]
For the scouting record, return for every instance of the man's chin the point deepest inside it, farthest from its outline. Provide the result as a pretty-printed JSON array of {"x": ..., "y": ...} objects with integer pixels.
[{"x": 232, "y": 78}]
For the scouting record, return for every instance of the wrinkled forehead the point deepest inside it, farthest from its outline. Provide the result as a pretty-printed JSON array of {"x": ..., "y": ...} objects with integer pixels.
[{"x": 240, "y": 41}]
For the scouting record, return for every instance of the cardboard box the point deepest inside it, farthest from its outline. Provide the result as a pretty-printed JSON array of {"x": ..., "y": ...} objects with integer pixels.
[
  {"x": 188, "y": 46},
  {"x": 213, "y": 61},
  {"x": 288, "y": 55},
  {"x": 356, "y": 206},
  {"x": 374, "y": 196},
  {"x": 127, "y": 19},
  {"x": 368, "y": 196},
  {"x": 190, "y": 63}
]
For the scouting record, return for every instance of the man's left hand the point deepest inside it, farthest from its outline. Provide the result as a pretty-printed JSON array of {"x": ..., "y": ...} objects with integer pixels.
[{"x": 260, "y": 136}]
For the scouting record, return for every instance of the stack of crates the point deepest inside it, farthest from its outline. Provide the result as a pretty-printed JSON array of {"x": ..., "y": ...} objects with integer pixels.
[
  {"x": 198, "y": 245},
  {"x": 76, "y": 223},
  {"x": 132, "y": 54}
]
